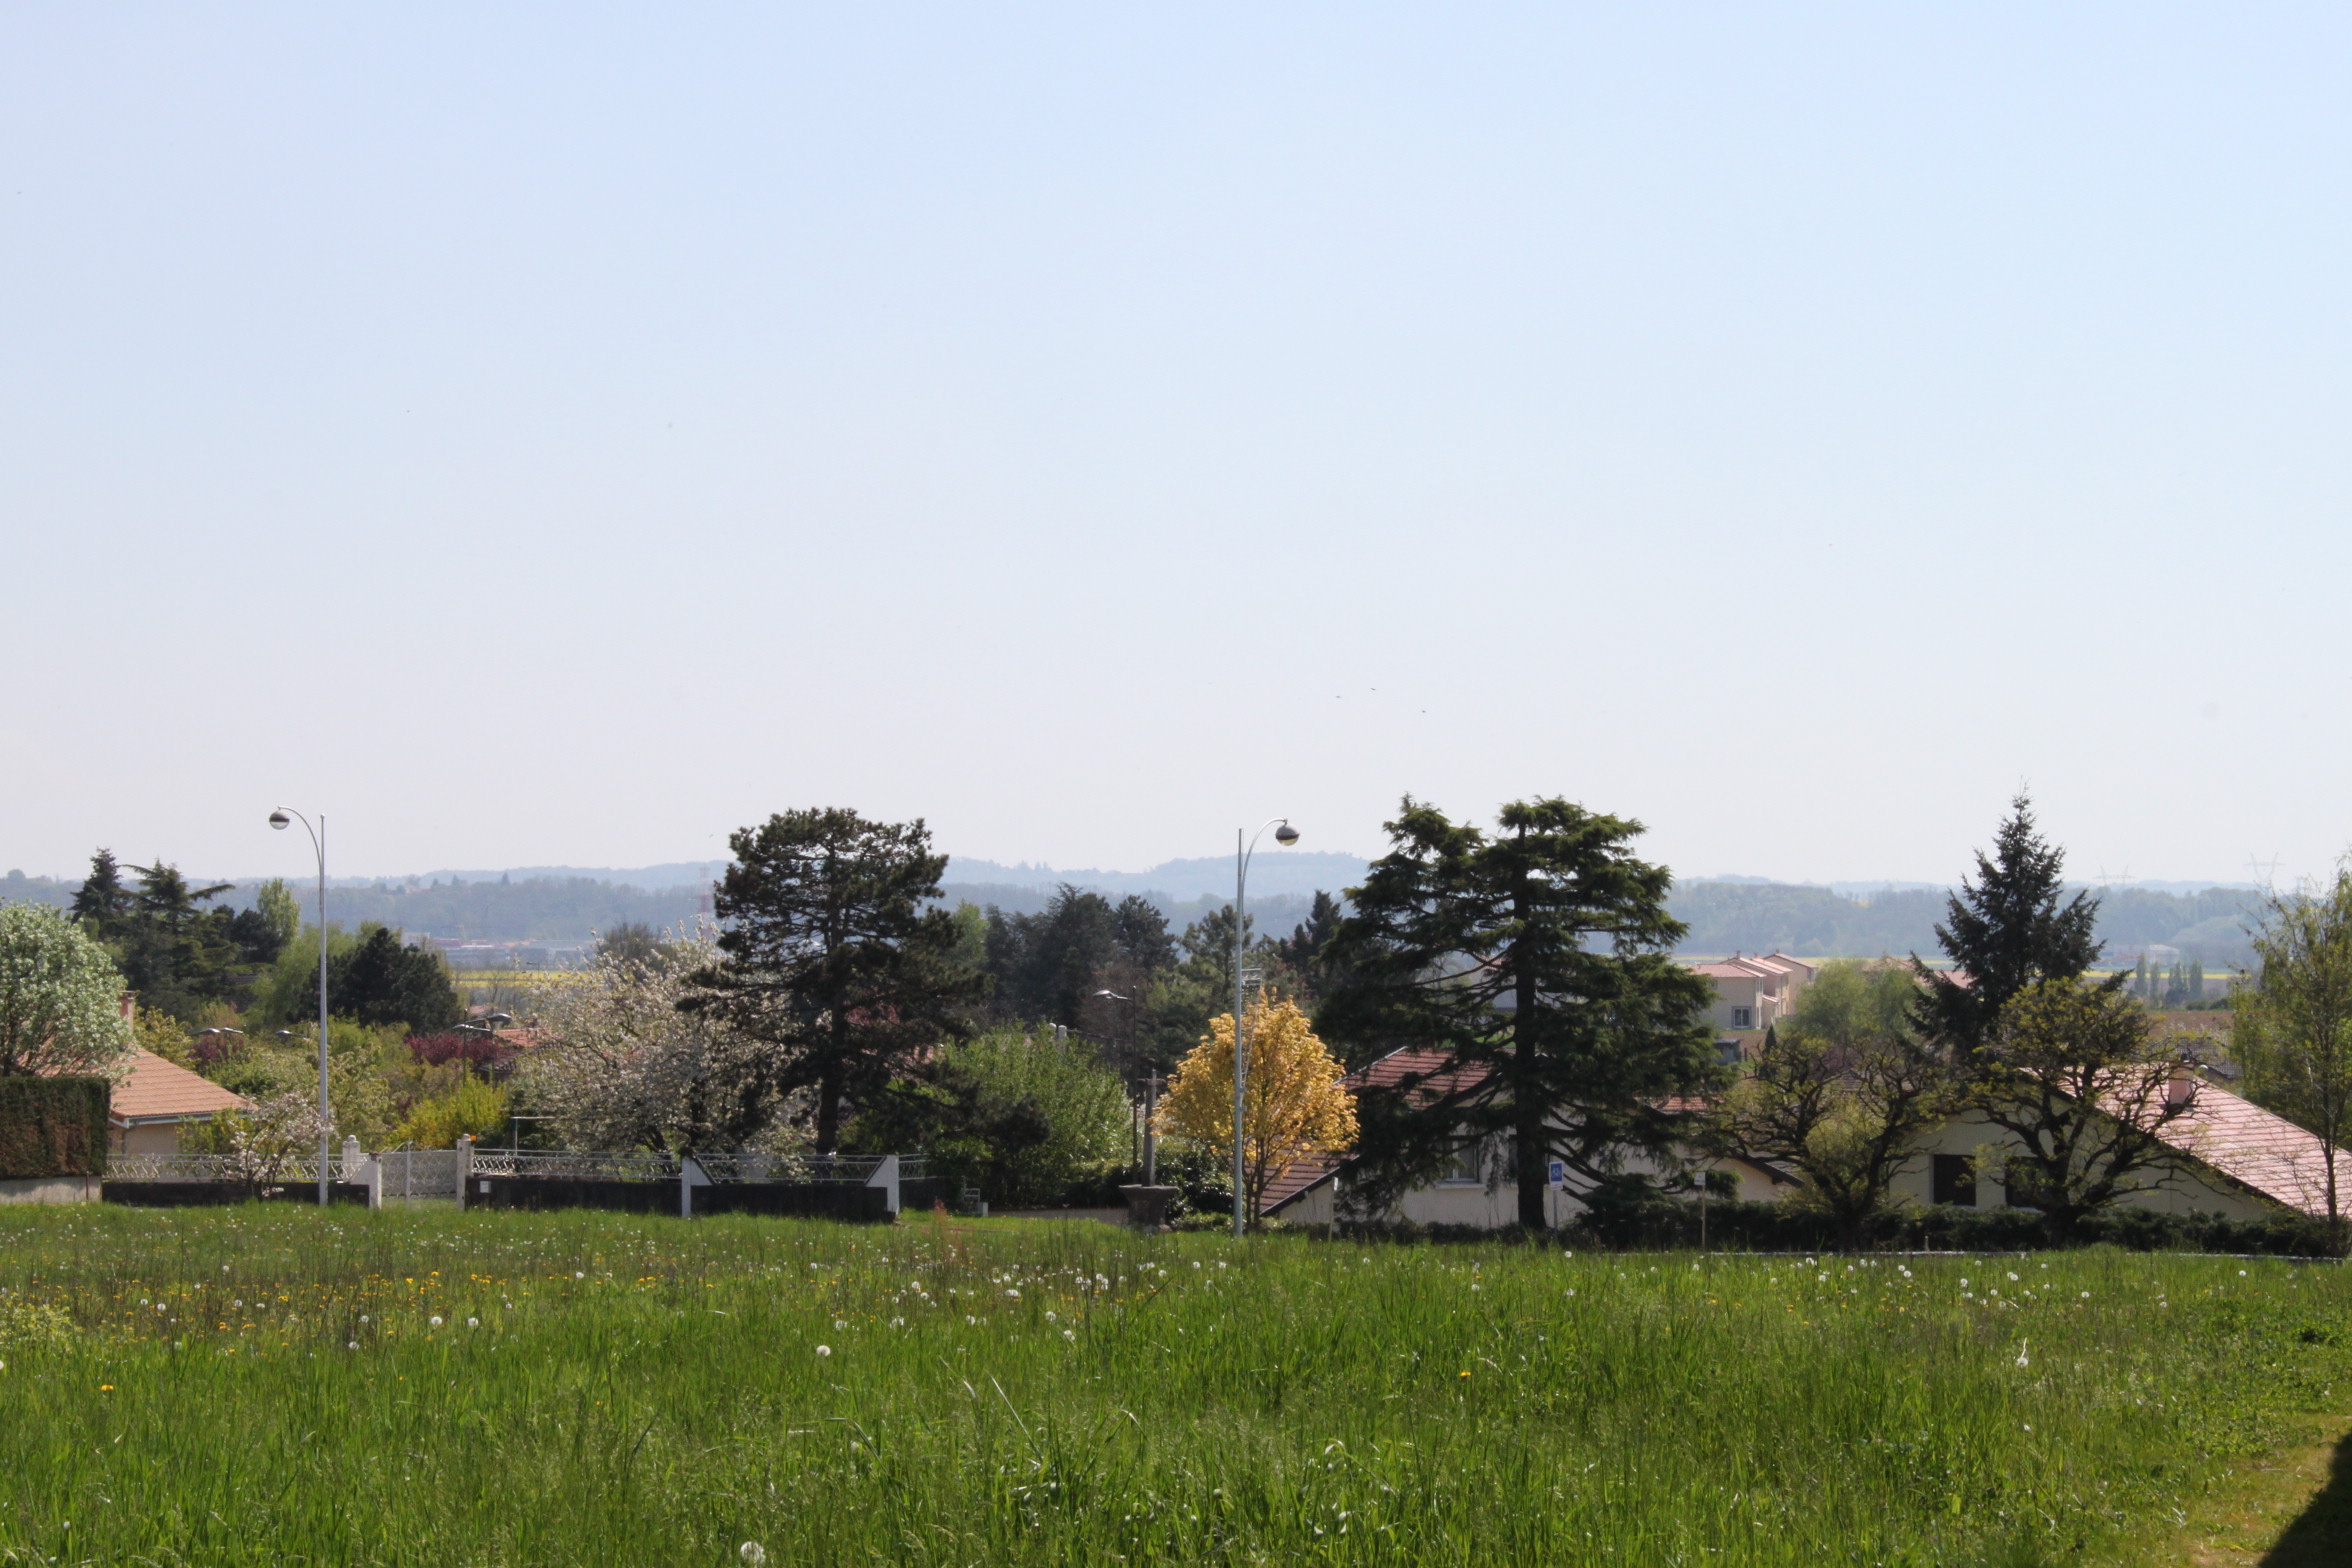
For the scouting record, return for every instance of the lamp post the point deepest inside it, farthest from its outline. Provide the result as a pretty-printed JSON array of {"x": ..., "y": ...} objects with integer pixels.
[
  {"x": 1285, "y": 835},
  {"x": 281, "y": 819}
]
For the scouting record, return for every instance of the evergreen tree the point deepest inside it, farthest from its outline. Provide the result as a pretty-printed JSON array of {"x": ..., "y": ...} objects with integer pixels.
[
  {"x": 2008, "y": 929},
  {"x": 174, "y": 954},
  {"x": 833, "y": 946},
  {"x": 1141, "y": 932},
  {"x": 103, "y": 903},
  {"x": 1303, "y": 953},
  {"x": 383, "y": 980},
  {"x": 1046, "y": 965},
  {"x": 1543, "y": 955}
]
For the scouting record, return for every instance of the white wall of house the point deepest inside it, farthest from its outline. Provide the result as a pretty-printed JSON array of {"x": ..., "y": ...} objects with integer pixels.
[
  {"x": 149, "y": 1137},
  {"x": 1468, "y": 1201},
  {"x": 2191, "y": 1190}
]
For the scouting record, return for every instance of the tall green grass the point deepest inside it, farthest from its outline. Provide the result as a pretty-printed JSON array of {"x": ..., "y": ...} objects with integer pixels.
[{"x": 273, "y": 1385}]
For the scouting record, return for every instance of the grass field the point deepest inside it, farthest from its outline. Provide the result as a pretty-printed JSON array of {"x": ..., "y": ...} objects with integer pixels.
[{"x": 274, "y": 1385}]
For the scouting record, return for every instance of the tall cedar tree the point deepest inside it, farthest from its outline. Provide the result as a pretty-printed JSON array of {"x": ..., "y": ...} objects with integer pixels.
[
  {"x": 830, "y": 944},
  {"x": 1544, "y": 953},
  {"x": 2008, "y": 929}
]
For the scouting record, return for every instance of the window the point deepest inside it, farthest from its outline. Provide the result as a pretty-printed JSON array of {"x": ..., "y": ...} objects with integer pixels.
[
  {"x": 2024, "y": 1183},
  {"x": 1743, "y": 1018},
  {"x": 1954, "y": 1179},
  {"x": 1469, "y": 1167}
]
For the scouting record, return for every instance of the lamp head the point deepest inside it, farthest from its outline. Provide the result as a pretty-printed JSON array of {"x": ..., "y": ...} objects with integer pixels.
[
  {"x": 280, "y": 821},
  {"x": 1286, "y": 834}
]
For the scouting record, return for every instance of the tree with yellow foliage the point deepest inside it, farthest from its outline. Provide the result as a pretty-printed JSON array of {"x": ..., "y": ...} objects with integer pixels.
[{"x": 1296, "y": 1108}]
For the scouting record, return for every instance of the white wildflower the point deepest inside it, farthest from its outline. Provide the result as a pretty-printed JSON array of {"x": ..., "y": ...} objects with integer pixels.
[
  {"x": 752, "y": 1553},
  {"x": 436, "y": 1322},
  {"x": 473, "y": 1322},
  {"x": 824, "y": 1350}
]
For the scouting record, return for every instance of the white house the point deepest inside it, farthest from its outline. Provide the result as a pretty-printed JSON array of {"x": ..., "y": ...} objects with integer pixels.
[{"x": 2230, "y": 1157}]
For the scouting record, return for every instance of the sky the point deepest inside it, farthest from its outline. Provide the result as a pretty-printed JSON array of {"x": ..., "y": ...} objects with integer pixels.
[{"x": 566, "y": 434}]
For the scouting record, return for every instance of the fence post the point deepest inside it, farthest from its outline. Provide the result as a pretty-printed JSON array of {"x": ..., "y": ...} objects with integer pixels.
[
  {"x": 886, "y": 1177},
  {"x": 371, "y": 1171},
  {"x": 465, "y": 1165},
  {"x": 690, "y": 1176}
]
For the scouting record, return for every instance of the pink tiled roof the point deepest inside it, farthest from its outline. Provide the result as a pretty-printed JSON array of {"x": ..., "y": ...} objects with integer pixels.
[
  {"x": 1294, "y": 1180},
  {"x": 2265, "y": 1152},
  {"x": 157, "y": 1090}
]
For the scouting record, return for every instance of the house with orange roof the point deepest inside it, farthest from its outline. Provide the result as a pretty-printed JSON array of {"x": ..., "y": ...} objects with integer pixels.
[
  {"x": 1753, "y": 994},
  {"x": 2230, "y": 1158},
  {"x": 156, "y": 1099}
]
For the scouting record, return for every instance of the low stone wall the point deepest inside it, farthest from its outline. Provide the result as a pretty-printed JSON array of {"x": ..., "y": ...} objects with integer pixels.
[{"x": 49, "y": 1189}]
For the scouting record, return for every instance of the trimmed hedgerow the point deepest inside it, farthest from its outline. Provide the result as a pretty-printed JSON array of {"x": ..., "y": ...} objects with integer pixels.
[
  {"x": 52, "y": 1127},
  {"x": 1665, "y": 1224}
]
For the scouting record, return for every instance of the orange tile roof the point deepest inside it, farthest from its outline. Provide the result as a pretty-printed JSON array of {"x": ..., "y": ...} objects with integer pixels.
[
  {"x": 2251, "y": 1146},
  {"x": 156, "y": 1090}
]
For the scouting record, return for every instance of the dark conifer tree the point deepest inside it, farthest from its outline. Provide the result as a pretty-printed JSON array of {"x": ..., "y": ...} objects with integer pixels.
[
  {"x": 2011, "y": 926},
  {"x": 833, "y": 946},
  {"x": 1142, "y": 934},
  {"x": 1304, "y": 953},
  {"x": 103, "y": 900},
  {"x": 1540, "y": 958},
  {"x": 384, "y": 980}
]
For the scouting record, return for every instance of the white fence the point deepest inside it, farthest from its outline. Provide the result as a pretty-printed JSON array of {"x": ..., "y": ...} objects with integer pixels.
[
  {"x": 224, "y": 1167},
  {"x": 409, "y": 1175}
]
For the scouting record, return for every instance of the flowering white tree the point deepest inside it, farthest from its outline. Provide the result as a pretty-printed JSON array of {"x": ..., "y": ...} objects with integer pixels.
[
  {"x": 264, "y": 1142},
  {"x": 623, "y": 1068},
  {"x": 60, "y": 997}
]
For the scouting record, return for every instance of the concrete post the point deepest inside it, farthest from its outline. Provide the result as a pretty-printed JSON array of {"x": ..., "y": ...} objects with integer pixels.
[
  {"x": 465, "y": 1166},
  {"x": 886, "y": 1177}
]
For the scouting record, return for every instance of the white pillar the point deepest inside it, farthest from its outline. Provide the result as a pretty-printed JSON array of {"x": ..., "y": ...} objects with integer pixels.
[
  {"x": 465, "y": 1165},
  {"x": 886, "y": 1177}
]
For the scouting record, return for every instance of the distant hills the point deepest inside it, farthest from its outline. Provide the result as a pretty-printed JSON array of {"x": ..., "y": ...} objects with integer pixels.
[{"x": 562, "y": 907}]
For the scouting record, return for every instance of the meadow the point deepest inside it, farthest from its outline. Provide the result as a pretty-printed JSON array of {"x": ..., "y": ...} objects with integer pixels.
[{"x": 273, "y": 1385}]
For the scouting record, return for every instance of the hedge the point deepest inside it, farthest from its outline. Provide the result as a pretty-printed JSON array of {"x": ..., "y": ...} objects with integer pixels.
[
  {"x": 52, "y": 1127},
  {"x": 1782, "y": 1227}
]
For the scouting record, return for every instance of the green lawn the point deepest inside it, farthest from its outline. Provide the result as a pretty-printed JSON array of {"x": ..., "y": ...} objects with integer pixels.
[{"x": 273, "y": 1385}]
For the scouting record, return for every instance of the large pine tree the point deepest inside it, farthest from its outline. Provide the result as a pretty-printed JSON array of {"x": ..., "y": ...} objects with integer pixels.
[
  {"x": 2011, "y": 926},
  {"x": 1543, "y": 954},
  {"x": 833, "y": 946}
]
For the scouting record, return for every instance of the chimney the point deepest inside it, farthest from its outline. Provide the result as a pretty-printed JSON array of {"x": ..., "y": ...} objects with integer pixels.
[{"x": 2180, "y": 1084}]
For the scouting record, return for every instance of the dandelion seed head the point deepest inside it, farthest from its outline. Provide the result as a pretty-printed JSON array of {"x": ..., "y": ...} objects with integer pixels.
[
  {"x": 752, "y": 1553},
  {"x": 824, "y": 1350}
]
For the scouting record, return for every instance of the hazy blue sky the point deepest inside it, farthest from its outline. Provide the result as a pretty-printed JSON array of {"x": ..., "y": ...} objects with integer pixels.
[{"x": 564, "y": 434}]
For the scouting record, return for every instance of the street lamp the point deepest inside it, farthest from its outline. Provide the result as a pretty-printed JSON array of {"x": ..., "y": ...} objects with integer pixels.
[
  {"x": 1285, "y": 835},
  {"x": 281, "y": 819}
]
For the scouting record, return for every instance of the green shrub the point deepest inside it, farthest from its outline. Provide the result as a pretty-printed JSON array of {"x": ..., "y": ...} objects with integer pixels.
[
  {"x": 52, "y": 1127},
  {"x": 473, "y": 1106}
]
